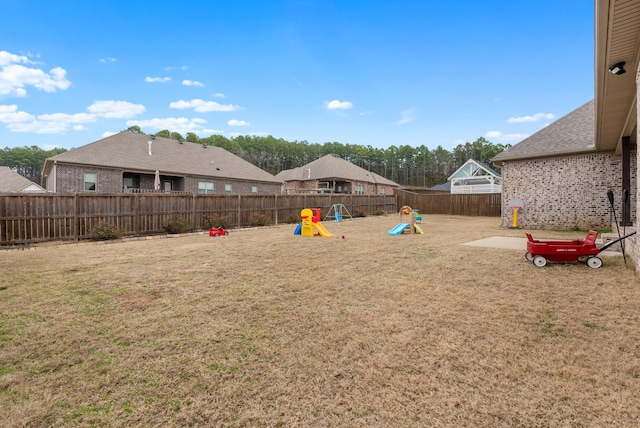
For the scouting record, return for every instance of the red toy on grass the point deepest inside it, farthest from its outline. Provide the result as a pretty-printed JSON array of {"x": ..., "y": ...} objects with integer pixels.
[{"x": 216, "y": 231}]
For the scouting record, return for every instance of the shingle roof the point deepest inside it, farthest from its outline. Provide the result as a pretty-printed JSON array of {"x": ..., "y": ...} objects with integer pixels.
[
  {"x": 573, "y": 133},
  {"x": 11, "y": 181},
  {"x": 442, "y": 187},
  {"x": 331, "y": 167},
  {"x": 130, "y": 151}
]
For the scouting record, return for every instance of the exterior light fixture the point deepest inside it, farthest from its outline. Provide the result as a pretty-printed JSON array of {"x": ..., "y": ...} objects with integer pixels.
[{"x": 617, "y": 68}]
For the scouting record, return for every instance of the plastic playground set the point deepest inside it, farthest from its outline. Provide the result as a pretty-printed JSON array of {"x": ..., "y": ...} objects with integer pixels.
[
  {"x": 311, "y": 224},
  {"x": 412, "y": 226}
]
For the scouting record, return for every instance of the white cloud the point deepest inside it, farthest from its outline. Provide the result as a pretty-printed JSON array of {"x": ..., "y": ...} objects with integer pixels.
[
  {"x": 15, "y": 77},
  {"x": 192, "y": 83},
  {"x": 209, "y": 131},
  {"x": 534, "y": 118},
  {"x": 219, "y": 95},
  {"x": 234, "y": 122},
  {"x": 157, "y": 79},
  {"x": 10, "y": 114},
  {"x": 68, "y": 118},
  {"x": 57, "y": 123},
  {"x": 177, "y": 124},
  {"x": 116, "y": 109},
  {"x": 202, "y": 106},
  {"x": 498, "y": 135},
  {"x": 339, "y": 105},
  {"x": 406, "y": 117},
  {"x": 7, "y": 58},
  {"x": 107, "y": 60}
]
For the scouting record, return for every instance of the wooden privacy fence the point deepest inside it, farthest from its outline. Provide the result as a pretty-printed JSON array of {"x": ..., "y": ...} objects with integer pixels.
[
  {"x": 31, "y": 218},
  {"x": 481, "y": 205}
]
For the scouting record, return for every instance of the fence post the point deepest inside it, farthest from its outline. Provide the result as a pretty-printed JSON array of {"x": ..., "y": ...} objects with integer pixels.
[
  {"x": 239, "y": 210},
  {"x": 193, "y": 211},
  {"x": 276, "y": 208},
  {"x": 136, "y": 214},
  {"x": 76, "y": 223}
]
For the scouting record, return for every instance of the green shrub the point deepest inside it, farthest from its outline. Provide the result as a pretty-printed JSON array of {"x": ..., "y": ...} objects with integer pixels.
[
  {"x": 380, "y": 212},
  {"x": 259, "y": 220},
  {"x": 360, "y": 214},
  {"x": 177, "y": 225},
  {"x": 293, "y": 219},
  {"x": 104, "y": 232},
  {"x": 218, "y": 221}
]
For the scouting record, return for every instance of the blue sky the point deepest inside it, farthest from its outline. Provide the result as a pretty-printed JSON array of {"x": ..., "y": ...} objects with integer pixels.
[{"x": 377, "y": 73}]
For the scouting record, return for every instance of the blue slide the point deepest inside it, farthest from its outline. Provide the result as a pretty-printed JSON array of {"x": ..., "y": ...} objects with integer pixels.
[
  {"x": 298, "y": 230},
  {"x": 398, "y": 229}
]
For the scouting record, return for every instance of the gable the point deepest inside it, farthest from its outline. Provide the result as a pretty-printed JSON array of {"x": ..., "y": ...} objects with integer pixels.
[{"x": 472, "y": 169}]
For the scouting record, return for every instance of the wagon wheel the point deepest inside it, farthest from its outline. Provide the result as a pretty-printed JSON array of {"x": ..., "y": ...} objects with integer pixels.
[
  {"x": 216, "y": 234},
  {"x": 539, "y": 261},
  {"x": 225, "y": 233},
  {"x": 528, "y": 256},
  {"x": 594, "y": 262}
]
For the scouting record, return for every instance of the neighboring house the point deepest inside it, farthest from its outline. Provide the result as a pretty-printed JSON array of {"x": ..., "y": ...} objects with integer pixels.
[
  {"x": 131, "y": 162},
  {"x": 475, "y": 177},
  {"x": 11, "y": 181},
  {"x": 563, "y": 172},
  {"x": 331, "y": 174}
]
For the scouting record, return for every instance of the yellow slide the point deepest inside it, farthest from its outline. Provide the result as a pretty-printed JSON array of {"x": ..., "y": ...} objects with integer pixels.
[{"x": 322, "y": 231}]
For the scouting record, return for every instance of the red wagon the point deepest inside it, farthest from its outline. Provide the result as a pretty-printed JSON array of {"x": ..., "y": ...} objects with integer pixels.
[{"x": 582, "y": 250}]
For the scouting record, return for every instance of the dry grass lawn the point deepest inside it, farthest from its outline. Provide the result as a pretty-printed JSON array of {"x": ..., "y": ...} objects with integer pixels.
[{"x": 264, "y": 328}]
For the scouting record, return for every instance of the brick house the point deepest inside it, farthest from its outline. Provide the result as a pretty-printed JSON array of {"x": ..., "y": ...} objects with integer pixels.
[
  {"x": 562, "y": 177},
  {"x": 130, "y": 162},
  {"x": 331, "y": 174},
  {"x": 592, "y": 149}
]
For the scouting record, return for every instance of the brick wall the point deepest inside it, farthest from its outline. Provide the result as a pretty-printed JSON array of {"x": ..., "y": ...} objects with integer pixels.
[
  {"x": 566, "y": 191},
  {"x": 70, "y": 178}
]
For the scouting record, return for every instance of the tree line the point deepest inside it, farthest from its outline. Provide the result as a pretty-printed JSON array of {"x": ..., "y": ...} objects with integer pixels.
[{"x": 405, "y": 165}]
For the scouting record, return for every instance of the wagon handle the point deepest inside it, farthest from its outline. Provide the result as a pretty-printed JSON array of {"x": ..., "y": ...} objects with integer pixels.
[{"x": 610, "y": 243}]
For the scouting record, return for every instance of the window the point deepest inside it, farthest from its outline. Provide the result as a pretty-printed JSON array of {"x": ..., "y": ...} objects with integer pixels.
[
  {"x": 254, "y": 189},
  {"x": 383, "y": 191},
  {"x": 168, "y": 186},
  {"x": 90, "y": 181},
  {"x": 359, "y": 189},
  {"x": 346, "y": 188},
  {"x": 227, "y": 188},
  {"x": 205, "y": 188}
]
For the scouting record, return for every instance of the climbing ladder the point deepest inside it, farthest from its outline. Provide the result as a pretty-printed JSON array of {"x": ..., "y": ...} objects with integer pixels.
[{"x": 337, "y": 212}]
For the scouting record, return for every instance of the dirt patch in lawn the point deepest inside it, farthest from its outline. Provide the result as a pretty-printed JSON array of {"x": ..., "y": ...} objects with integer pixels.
[{"x": 265, "y": 328}]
